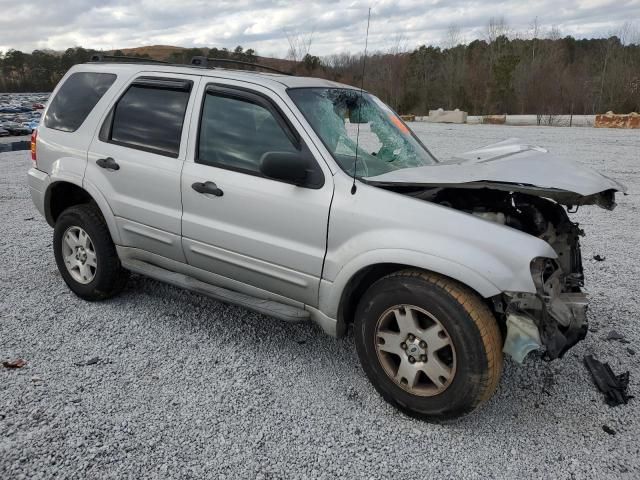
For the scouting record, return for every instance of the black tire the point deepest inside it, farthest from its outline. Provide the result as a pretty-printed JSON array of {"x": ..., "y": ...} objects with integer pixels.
[
  {"x": 109, "y": 276},
  {"x": 472, "y": 331}
]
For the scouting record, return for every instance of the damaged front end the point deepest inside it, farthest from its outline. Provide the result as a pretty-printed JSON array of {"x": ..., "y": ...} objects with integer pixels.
[
  {"x": 553, "y": 318},
  {"x": 529, "y": 189}
]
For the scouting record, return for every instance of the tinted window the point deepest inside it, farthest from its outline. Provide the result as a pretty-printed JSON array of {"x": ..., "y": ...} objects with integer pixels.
[
  {"x": 150, "y": 119},
  {"x": 235, "y": 133},
  {"x": 75, "y": 100}
]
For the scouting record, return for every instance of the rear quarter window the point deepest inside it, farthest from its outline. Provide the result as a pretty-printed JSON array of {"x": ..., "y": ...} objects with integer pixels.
[
  {"x": 149, "y": 117},
  {"x": 76, "y": 98}
]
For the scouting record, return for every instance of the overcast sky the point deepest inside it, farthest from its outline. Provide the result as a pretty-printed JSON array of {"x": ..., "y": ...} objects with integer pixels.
[{"x": 337, "y": 25}]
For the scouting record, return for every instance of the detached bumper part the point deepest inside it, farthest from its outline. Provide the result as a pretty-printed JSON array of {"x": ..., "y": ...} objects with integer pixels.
[
  {"x": 522, "y": 337},
  {"x": 613, "y": 386},
  {"x": 555, "y": 322},
  {"x": 557, "y": 341}
]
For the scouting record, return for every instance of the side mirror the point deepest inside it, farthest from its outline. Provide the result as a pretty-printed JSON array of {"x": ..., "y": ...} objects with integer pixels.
[{"x": 285, "y": 166}]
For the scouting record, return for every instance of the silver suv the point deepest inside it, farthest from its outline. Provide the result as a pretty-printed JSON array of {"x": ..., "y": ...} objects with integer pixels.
[{"x": 305, "y": 199}]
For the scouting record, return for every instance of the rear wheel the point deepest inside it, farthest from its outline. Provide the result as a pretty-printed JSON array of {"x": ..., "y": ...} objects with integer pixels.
[
  {"x": 85, "y": 254},
  {"x": 429, "y": 345}
]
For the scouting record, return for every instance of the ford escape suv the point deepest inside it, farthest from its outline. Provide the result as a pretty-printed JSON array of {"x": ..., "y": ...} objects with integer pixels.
[{"x": 305, "y": 199}]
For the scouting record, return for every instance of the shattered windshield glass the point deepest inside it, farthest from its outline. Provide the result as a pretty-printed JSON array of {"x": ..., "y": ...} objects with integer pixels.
[{"x": 384, "y": 144}]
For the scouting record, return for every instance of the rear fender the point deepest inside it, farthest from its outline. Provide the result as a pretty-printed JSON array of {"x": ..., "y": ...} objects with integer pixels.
[{"x": 94, "y": 193}]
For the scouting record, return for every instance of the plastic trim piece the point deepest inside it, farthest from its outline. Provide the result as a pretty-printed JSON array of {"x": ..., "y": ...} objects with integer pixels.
[{"x": 271, "y": 308}]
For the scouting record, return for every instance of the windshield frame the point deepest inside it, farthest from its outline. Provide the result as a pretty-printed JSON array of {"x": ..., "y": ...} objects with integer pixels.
[{"x": 374, "y": 99}]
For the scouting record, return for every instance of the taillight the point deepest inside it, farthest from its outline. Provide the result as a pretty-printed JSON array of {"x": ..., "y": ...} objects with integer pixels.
[{"x": 34, "y": 137}]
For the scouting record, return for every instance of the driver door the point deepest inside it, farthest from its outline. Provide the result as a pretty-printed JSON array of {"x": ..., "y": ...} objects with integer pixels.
[{"x": 248, "y": 228}]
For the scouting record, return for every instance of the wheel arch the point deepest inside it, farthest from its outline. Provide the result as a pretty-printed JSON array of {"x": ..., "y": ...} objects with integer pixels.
[
  {"x": 339, "y": 299},
  {"x": 62, "y": 194}
]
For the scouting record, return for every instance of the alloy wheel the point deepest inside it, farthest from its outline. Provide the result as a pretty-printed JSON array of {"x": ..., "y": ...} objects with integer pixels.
[
  {"x": 415, "y": 350},
  {"x": 79, "y": 255}
]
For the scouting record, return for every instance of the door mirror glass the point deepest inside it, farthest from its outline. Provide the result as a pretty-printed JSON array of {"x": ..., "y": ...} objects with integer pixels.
[{"x": 285, "y": 166}]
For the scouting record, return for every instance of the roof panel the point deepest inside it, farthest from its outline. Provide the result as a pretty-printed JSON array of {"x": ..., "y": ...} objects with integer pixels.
[{"x": 266, "y": 79}]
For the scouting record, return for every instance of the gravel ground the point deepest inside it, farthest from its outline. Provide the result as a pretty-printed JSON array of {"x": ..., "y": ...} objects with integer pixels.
[{"x": 176, "y": 385}]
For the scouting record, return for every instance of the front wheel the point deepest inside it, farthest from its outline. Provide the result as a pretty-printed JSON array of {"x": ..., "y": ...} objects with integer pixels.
[
  {"x": 429, "y": 345},
  {"x": 85, "y": 254}
]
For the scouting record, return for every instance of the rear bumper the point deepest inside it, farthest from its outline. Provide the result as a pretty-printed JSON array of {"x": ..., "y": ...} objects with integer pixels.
[{"x": 38, "y": 183}]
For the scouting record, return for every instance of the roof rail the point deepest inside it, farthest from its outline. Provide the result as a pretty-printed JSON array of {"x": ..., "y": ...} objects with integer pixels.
[
  {"x": 100, "y": 57},
  {"x": 204, "y": 62}
]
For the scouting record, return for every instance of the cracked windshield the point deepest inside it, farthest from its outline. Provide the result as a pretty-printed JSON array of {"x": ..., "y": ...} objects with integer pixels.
[{"x": 384, "y": 143}]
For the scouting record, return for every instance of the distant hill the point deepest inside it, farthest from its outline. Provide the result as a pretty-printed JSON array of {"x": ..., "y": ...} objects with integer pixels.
[{"x": 157, "y": 52}]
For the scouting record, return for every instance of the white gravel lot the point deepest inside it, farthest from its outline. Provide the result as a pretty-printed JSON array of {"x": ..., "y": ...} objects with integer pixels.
[{"x": 186, "y": 387}]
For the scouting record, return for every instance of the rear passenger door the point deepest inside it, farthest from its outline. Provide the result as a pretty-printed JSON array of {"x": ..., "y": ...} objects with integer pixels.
[
  {"x": 136, "y": 159},
  {"x": 254, "y": 230}
]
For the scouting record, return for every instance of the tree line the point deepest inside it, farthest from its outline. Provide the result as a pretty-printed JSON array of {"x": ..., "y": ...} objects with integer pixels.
[
  {"x": 498, "y": 74},
  {"x": 41, "y": 70},
  {"x": 550, "y": 76}
]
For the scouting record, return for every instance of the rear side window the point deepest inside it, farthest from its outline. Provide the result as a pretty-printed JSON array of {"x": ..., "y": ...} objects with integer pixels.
[
  {"x": 76, "y": 98},
  {"x": 149, "y": 117}
]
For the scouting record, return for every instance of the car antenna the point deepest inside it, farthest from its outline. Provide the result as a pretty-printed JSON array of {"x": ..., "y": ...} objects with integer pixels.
[{"x": 364, "y": 64}]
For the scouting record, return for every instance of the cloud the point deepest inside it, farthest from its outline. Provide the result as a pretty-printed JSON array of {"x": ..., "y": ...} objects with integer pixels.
[{"x": 337, "y": 25}]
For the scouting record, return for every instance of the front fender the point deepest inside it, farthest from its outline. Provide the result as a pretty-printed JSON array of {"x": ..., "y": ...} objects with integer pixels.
[
  {"x": 376, "y": 226},
  {"x": 331, "y": 291}
]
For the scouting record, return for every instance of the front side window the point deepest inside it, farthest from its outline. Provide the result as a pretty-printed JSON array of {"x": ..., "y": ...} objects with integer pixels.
[
  {"x": 235, "y": 132},
  {"x": 348, "y": 121},
  {"x": 75, "y": 100},
  {"x": 150, "y": 118}
]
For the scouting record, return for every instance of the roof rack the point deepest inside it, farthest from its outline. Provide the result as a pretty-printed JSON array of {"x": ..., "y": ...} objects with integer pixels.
[
  {"x": 204, "y": 62},
  {"x": 100, "y": 57},
  {"x": 197, "y": 61}
]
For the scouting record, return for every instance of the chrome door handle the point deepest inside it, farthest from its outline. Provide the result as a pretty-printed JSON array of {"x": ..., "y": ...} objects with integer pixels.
[{"x": 207, "y": 187}]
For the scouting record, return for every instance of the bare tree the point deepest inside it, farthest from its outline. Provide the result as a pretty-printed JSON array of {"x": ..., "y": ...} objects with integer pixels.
[
  {"x": 535, "y": 34},
  {"x": 453, "y": 37},
  {"x": 398, "y": 44},
  {"x": 629, "y": 34},
  {"x": 386, "y": 70},
  {"x": 497, "y": 27},
  {"x": 299, "y": 44},
  {"x": 453, "y": 65},
  {"x": 554, "y": 33}
]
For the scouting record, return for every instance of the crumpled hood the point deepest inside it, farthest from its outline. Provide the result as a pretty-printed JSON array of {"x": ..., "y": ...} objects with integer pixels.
[{"x": 512, "y": 166}]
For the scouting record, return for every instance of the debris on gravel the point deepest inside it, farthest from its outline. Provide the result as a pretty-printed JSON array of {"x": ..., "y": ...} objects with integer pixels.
[
  {"x": 91, "y": 361},
  {"x": 613, "y": 386},
  {"x": 187, "y": 387},
  {"x": 613, "y": 335},
  {"x": 15, "y": 363}
]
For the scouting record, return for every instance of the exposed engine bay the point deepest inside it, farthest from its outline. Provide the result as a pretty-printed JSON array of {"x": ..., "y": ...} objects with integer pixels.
[{"x": 554, "y": 317}]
